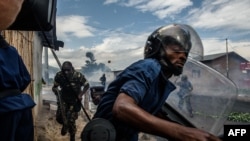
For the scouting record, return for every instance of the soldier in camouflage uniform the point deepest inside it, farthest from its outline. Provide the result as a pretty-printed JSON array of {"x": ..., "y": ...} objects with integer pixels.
[{"x": 72, "y": 85}]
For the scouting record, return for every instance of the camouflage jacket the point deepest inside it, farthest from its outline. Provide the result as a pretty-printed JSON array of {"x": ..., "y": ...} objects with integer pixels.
[{"x": 70, "y": 87}]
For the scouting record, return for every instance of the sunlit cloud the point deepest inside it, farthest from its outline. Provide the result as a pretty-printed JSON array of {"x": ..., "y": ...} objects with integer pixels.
[
  {"x": 160, "y": 8},
  {"x": 110, "y": 1},
  {"x": 214, "y": 46},
  {"x": 122, "y": 48},
  {"x": 241, "y": 48},
  {"x": 73, "y": 26},
  {"x": 212, "y": 14},
  {"x": 229, "y": 14}
]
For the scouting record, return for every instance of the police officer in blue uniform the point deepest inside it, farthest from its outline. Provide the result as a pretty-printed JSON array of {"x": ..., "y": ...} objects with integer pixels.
[
  {"x": 133, "y": 101},
  {"x": 16, "y": 120}
]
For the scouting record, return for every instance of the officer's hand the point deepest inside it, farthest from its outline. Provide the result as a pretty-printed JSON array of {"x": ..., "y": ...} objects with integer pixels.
[
  {"x": 191, "y": 134},
  {"x": 56, "y": 92},
  {"x": 80, "y": 97}
]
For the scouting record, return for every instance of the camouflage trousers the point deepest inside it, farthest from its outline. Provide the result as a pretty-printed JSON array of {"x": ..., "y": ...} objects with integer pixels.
[{"x": 70, "y": 115}]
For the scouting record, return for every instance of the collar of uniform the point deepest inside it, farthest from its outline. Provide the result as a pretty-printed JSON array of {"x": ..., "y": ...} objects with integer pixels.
[{"x": 3, "y": 43}]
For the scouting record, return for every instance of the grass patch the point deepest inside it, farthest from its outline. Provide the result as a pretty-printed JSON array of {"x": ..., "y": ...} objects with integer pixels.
[{"x": 239, "y": 117}]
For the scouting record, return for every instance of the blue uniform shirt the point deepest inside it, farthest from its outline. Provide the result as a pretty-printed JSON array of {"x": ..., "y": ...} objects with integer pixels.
[
  {"x": 141, "y": 81},
  {"x": 13, "y": 75}
]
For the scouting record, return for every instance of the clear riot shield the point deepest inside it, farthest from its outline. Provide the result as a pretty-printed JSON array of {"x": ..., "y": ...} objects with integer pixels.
[
  {"x": 197, "y": 50},
  {"x": 210, "y": 101}
]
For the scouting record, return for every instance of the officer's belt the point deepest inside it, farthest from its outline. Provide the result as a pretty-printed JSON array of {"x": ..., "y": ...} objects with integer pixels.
[{"x": 9, "y": 92}]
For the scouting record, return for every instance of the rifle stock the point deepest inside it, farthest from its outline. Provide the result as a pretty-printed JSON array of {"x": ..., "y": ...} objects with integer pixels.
[{"x": 62, "y": 108}]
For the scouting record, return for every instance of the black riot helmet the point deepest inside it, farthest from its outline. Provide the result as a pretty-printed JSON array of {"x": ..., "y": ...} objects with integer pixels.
[
  {"x": 166, "y": 35},
  {"x": 175, "y": 32}
]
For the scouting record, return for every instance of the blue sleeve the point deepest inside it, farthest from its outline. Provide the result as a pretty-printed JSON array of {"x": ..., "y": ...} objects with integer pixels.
[
  {"x": 13, "y": 72},
  {"x": 24, "y": 74},
  {"x": 140, "y": 78}
]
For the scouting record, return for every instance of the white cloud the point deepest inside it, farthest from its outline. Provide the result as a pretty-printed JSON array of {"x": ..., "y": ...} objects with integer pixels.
[
  {"x": 121, "y": 50},
  {"x": 241, "y": 48},
  {"x": 73, "y": 26},
  {"x": 124, "y": 50},
  {"x": 120, "y": 47},
  {"x": 76, "y": 56},
  {"x": 132, "y": 3},
  {"x": 160, "y": 8},
  {"x": 110, "y": 1},
  {"x": 230, "y": 14},
  {"x": 228, "y": 18},
  {"x": 213, "y": 46}
]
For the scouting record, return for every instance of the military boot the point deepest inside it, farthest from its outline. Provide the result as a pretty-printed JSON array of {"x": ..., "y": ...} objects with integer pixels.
[
  {"x": 72, "y": 137},
  {"x": 64, "y": 130}
]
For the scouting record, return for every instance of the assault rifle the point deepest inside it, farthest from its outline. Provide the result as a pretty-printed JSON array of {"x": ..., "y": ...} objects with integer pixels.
[{"x": 62, "y": 108}]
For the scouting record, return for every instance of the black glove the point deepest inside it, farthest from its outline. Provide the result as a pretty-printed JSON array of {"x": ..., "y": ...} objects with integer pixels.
[{"x": 56, "y": 91}]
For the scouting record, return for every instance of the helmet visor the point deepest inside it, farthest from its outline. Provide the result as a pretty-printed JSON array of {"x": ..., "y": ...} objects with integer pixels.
[
  {"x": 175, "y": 31},
  {"x": 186, "y": 36}
]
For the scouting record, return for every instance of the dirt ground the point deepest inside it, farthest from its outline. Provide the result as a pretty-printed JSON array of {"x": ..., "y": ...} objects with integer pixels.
[{"x": 47, "y": 128}]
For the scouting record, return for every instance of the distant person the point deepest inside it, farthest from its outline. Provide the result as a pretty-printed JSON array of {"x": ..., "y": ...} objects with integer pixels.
[
  {"x": 103, "y": 80},
  {"x": 16, "y": 119},
  {"x": 73, "y": 85},
  {"x": 9, "y": 12},
  {"x": 96, "y": 93},
  {"x": 133, "y": 101},
  {"x": 43, "y": 81},
  {"x": 185, "y": 94}
]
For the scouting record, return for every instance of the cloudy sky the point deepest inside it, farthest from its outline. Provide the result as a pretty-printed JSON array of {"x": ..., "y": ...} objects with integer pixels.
[{"x": 116, "y": 30}]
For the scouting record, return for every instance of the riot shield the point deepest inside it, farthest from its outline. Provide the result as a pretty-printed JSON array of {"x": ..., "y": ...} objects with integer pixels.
[{"x": 211, "y": 99}]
